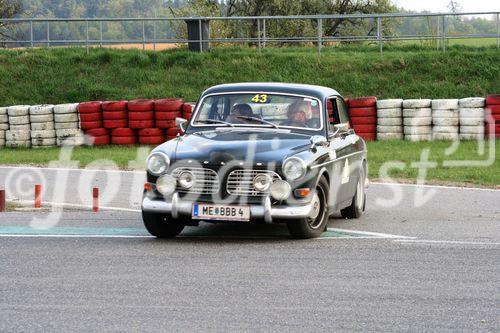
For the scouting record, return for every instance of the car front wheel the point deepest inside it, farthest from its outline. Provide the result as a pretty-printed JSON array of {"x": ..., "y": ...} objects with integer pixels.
[
  {"x": 357, "y": 207},
  {"x": 313, "y": 225},
  {"x": 162, "y": 225}
]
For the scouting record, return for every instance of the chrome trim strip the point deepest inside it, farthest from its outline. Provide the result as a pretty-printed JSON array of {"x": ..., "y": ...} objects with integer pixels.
[{"x": 337, "y": 159}]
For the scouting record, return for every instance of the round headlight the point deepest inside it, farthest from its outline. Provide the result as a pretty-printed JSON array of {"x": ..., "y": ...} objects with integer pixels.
[
  {"x": 262, "y": 182},
  {"x": 166, "y": 185},
  {"x": 158, "y": 163},
  {"x": 280, "y": 190},
  {"x": 294, "y": 168},
  {"x": 186, "y": 179}
]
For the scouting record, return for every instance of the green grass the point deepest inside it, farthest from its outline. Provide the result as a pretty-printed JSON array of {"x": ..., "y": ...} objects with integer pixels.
[
  {"x": 378, "y": 153},
  {"x": 71, "y": 75}
]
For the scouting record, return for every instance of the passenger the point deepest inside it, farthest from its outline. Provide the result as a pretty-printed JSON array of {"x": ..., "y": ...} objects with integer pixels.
[
  {"x": 239, "y": 110},
  {"x": 298, "y": 114}
]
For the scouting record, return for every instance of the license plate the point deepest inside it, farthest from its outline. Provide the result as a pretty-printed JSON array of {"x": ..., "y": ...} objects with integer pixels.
[{"x": 220, "y": 212}]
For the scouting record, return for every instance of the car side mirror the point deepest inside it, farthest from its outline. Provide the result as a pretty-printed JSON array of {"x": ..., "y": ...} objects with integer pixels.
[
  {"x": 181, "y": 123},
  {"x": 318, "y": 141}
]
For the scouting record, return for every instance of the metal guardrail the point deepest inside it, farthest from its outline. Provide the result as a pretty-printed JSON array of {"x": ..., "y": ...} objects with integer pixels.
[{"x": 260, "y": 40}]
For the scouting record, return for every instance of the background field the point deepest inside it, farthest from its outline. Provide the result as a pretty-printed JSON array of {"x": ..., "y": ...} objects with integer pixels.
[{"x": 71, "y": 75}]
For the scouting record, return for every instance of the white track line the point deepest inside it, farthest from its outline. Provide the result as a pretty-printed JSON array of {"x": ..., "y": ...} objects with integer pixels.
[
  {"x": 27, "y": 203},
  {"x": 437, "y": 186},
  {"x": 71, "y": 169},
  {"x": 424, "y": 241},
  {"x": 376, "y": 234},
  {"x": 73, "y": 236}
]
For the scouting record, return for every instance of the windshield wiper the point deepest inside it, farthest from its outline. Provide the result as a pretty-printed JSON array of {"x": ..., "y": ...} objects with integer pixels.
[
  {"x": 262, "y": 121},
  {"x": 215, "y": 121}
]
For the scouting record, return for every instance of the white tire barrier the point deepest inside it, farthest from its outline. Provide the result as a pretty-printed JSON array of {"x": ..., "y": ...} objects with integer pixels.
[
  {"x": 423, "y": 121},
  {"x": 445, "y": 136},
  {"x": 70, "y": 137},
  {"x": 24, "y": 127},
  {"x": 389, "y": 129},
  {"x": 472, "y": 113},
  {"x": 42, "y": 118},
  {"x": 42, "y": 126},
  {"x": 472, "y": 122},
  {"x": 389, "y": 113},
  {"x": 472, "y": 130},
  {"x": 65, "y": 108},
  {"x": 444, "y": 104},
  {"x": 445, "y": 121},
  {"x": 417, "y": 130},
  {"x": 4, "y": 124},
  {"x": 48, "y": 134},
  {"x": 19, "y": 120},
  {"x": 37, "y": 110},
  {"x": 2, "y": 143},
  {"x": 389, "y": 136},
  {"x": 389, "y": 103},
  {"x": 465, "y": 136},
  {"x": 445, "y": 129},
  {"x": 471, "y": 102},
  {"x": 2, "y": 134},
  {"x": 390, "y": 121},
  {"x": 414, "y": 138},
  {"x": 18, "y": 110},
  {"x": 445, "y": 113},
  {"x": 66, "y": 117},
  {"x": 17, "y": 135},
  {"x": 60, "y": 126},
  {"x": 3, "y": 110},
  {"x": 4, "y": 118},
  {"x": 43, "y": 142},
  {"x": 416, "y": 103},
  {"x": 18, "y": 144},
  {"x": 417, "y": 113}
]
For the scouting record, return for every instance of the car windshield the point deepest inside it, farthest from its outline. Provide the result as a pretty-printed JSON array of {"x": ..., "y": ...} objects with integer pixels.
[{"x": 259, "y": 109}]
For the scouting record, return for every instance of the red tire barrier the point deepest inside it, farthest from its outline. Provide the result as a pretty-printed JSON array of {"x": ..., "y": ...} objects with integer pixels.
[
  {"x": 101, "y": 140},
  {"x": 168, "y": 105},
  {"x": 138, "y": 124},
  {"x": 124, "y": 140},
  {"x": 363, "y": 112},
  {"x": 187, "y": 116},
  {"x": 150, "y": 132},
  {"x": 115, "y": 115},
  {"x": 114, "y": 105},
  {"x": 89, "y": 107},
  {"x": 187, "y": 108},
  {"x": 493, "y": 109},
  {"x": 368, "y": 136},
  {"x": 365, "y": 128},
  {"x": 115, "y": 123},
  {"x": 493, "y": 99},
  {"x": 141, "y": 105},
  {"x": 363, "y": 102},
  {"x": 88, "y": 125},
  {"x": 97, "y": 132},
  {"x": 165, "y": 124},
  {"x": 168, "y": 115},
  {"x": 96, "y": 116},
  {"x": 496, "y": 129},
  {"x": 145, "y": 115},
  {"x": 363, "y": 120},
  {"x": 123, "y": 132},
  {"x": 151, "y": 140},
  {"x": 173, "y": 132}
]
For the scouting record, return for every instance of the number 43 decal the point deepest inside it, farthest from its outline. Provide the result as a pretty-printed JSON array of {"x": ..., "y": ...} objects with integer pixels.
[{"x": 259, "y": 98}]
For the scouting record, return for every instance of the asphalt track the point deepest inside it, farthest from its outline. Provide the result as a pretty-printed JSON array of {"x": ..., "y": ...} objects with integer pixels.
[{"x": 427, "y": 261}]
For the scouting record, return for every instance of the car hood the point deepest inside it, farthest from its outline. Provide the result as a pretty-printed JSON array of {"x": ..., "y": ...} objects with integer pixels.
[{"x": 214, "y": 147}]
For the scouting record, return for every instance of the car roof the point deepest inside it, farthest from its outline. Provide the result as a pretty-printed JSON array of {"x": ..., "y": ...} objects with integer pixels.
[{"x": 288, "y": 88}]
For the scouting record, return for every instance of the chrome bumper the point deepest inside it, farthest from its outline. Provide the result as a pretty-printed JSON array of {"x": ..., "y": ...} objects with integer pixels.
[{"x": 178, "y": 207}]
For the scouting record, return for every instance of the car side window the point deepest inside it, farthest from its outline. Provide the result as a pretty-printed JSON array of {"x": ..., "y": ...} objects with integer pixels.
[{"x": 342, "y": 110}]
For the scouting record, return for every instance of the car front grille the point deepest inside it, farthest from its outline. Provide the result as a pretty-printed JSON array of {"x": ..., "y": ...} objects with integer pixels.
[
  {"x": 240, "y": 182},
  {"x": 206, "y": 181}
]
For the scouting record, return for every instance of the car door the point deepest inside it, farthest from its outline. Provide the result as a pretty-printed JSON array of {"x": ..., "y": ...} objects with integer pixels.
[{"x": 345, "y": 165}]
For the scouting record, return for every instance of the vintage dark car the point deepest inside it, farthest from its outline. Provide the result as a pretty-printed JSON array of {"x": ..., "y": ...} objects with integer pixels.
[{"x": 258, "y": 152}]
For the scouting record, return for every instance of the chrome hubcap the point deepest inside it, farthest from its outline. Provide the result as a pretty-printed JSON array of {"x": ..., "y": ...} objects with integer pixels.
[{"x": 316, "y": 207}]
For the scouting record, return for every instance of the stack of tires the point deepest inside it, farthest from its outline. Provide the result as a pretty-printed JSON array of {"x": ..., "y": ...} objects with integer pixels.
[
  {"x": 92, "y": 125},
  {"x": 151, "y": 136},
  {"x": 471, "y": 118},
  {"x": 187, "y": 110},
  {"x": 417, "y": 120},
  {"x": 363, "y": 114},
  {"x": 141, "y": 114},
  {"x": 43, "y": 133},
  {"x": 19, "y": 133},
  {"x": 67, "y": 126},
  {"x": 445, "y": 119},
  {"x": 390, "y": 119},
  {"x": 123, "y": 136},
  {"x": 166, "y": 110},
  {"x": 114, "y": 114},
  {"x": 493, "y": 113},
  {"x": 4, "y": 125}
]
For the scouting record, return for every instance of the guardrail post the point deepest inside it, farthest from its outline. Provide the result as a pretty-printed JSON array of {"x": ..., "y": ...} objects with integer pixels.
[
  {"x": 100, "y": 33},
  {"x": 2, "y": 201},
  {"x": 320, "y": 34},
  {"x": 48, "y": 33},
  {"x": 258, "y": 34},
  {"x": 31, "y": 34},
  {"x": 443, "y": 22},
  {"x": 264, "y": 33},
  {"x": 87, "y": 36},
  {"x": 379, "y": 34},
  {"x": 200, "y": 35},
  {"x": 143, "y": 35}
]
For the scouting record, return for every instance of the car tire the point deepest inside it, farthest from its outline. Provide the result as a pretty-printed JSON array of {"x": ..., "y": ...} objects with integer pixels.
[
  {"x": 358, "y": 204},
  {"x": 313, "y": 227},
  {"x": 159, "y": 226}
]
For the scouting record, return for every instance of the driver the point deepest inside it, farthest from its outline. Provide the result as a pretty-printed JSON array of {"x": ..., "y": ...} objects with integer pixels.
[
  {"x": 298, "y": 114},
  {"x": 239, "y": 110}
]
